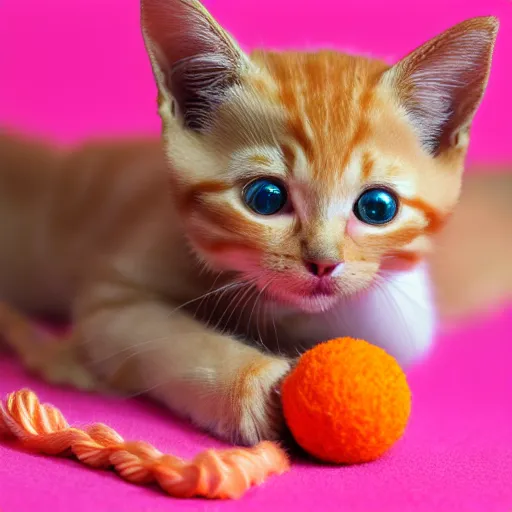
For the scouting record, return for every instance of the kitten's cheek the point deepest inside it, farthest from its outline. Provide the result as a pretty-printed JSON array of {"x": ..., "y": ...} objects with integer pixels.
[
  {"x": 354, "y": 227},
  {"x": 232, "y": 259},
  {"x": 400, "y": 263}
]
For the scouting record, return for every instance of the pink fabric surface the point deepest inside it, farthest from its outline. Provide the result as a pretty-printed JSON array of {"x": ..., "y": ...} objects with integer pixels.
[
  {"x": 76, "y": 69},
  {"x": 456, "y": 454}
]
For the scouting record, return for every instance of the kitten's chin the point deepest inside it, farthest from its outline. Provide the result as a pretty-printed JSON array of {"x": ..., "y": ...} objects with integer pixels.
[{"x": 313, "y": 303}]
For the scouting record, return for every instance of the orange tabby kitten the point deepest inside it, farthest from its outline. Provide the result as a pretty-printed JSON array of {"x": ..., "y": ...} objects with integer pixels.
[{"x": 296, "y": 202}]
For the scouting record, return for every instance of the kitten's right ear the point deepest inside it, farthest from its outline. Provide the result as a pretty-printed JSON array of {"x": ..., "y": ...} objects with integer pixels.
[
  {"x": 194, "y": 60},
  {"x": 441, "y": 84}
]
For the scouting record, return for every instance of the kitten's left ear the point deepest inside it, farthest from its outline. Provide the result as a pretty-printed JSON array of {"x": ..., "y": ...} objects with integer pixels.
[
  {"x": 441, "y": 84},
  {"x": 194, "y": 60}
]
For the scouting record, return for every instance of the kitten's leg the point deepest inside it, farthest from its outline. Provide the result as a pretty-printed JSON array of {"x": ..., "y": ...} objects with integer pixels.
[
  {"x": 53, "y": 358},
  {"x": 397, "y": 314},
  {"x": 139, "y": 344}
]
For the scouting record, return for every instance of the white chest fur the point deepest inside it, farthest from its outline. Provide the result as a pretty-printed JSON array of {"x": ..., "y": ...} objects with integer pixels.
[{"x": 398, "y": 315}]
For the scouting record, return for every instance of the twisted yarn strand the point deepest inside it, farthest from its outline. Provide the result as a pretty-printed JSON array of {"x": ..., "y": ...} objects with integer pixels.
[{"x": 215, "y": 474}]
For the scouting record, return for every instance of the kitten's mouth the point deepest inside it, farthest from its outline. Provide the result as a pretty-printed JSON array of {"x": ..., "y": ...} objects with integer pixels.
[
  {"x": 321, "y": 298},
  {"x": 322, "y": 288},
  {"x": 314, "y": 302}
]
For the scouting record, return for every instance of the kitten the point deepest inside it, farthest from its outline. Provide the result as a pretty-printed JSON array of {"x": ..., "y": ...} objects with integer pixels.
[{"x": 296, "y": 202}]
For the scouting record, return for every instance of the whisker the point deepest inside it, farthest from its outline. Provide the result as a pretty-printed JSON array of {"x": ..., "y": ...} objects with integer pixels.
[
  {"x": 393, "y": 304},
  {"x": 229, "y": 308},
  {"x": 219, "y": 298},
  {"x": 253, "y": 291},
  {"x": 273, "y": 314},
  {"x": 265, "y": 311},
  {"x": 262, "y": 291},
  {"x": 399, "y": 288},
  {"x": 205, "y": 296}
]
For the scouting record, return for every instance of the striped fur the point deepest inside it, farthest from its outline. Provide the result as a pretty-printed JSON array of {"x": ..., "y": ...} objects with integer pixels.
[{"x": 177, "y": 288}]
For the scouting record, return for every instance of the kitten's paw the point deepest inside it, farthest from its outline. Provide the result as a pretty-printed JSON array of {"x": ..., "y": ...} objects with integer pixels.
[{"x": 252, "y": 409}]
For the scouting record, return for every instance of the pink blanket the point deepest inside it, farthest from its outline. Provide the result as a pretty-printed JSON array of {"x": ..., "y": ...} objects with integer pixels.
[{"x": 456, "y": 454}]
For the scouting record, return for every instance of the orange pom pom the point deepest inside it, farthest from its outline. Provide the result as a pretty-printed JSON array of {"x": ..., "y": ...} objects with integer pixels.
[{"x": 347, "y": 401}]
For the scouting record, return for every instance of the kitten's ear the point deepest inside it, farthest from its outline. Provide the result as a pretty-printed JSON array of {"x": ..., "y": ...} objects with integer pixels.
[
  {"x": 440, "y": 85},
  {"x": 194, "y": 60}
]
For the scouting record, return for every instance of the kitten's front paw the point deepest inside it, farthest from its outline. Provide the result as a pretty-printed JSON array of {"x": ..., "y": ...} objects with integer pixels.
[{"x": 252, "y": 409}]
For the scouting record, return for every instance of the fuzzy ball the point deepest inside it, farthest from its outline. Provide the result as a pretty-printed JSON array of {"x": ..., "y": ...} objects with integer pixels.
[{"x": 346, "y": 401}]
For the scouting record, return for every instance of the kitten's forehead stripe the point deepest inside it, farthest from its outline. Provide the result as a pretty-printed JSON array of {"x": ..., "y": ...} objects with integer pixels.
[
  {"x": 367, "y": 165},
  {"x": 327, "y": 98},
  {"x": 289, "y": 155}
]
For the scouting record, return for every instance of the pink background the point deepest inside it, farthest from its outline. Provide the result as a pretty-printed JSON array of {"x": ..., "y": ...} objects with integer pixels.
[{"x": 70, "y": 69}]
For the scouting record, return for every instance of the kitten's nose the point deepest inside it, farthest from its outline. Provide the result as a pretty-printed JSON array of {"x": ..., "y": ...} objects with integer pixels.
[{"x": 322, "y": 268}]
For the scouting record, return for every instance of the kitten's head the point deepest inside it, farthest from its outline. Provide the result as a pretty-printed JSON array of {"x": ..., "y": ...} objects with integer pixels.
[{"x": 311, "y": 172}]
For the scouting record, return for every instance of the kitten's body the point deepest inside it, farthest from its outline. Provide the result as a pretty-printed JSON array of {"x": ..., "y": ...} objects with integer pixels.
[
  {"x": 175, "y": 286},
  {"x": 101, "y": 235},
  {"x": 104, "y": 208}
]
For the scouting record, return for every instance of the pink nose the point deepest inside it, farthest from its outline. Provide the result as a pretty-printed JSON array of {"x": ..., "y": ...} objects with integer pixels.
[{"x": 322, "y": 268}]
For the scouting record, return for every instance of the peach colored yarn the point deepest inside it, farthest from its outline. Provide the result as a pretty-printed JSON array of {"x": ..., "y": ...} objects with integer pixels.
[{"x": 211, "y": 474}]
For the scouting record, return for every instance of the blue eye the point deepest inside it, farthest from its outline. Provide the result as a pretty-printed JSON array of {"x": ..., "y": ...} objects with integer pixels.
[
  {"x": 376, "y": 206},
  {"x": 265, "y": 197}
]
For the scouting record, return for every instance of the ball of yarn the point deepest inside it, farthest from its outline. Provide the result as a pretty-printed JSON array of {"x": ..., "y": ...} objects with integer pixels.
[{"x": 346, "y": 401}]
